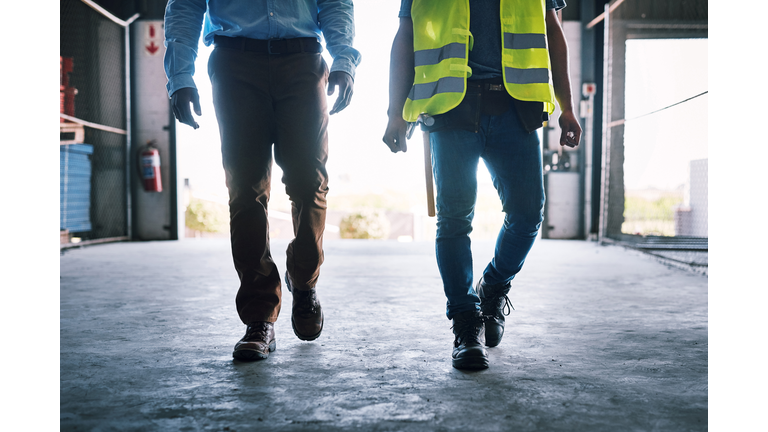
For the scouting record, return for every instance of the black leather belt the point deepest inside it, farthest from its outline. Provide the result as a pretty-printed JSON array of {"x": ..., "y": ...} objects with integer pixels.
[
  {"x": 270, "y": 46},
  {"x": 491, "y": 84}
]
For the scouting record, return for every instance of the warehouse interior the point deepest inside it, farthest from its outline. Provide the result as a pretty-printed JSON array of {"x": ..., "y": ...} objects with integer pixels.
[{"x": 613, "y": 312}]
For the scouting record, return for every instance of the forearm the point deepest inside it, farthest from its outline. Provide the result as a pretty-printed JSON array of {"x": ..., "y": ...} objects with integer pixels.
[
  {"x": 183, "y": 23},
  {"x": 337, "y": 23},
  {"x": 558, "y": 56},
  {"x": 401, "y": 70}
]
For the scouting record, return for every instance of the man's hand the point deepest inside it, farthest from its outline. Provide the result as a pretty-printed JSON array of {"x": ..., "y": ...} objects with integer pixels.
[
  {"x": 346, "y": 84},
  {"x": 394, "y": 135},
  {"x": 571, "y": 131},
  {"x": 180, "y": 101}
]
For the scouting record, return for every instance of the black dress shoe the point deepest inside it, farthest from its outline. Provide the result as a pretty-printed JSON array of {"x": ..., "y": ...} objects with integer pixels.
[
  {"x": 258, "y": 342},
  {"x": 306, "y": 314},
  {"x": 468, "y": 351},
  {"x": 494, "y": 304}
]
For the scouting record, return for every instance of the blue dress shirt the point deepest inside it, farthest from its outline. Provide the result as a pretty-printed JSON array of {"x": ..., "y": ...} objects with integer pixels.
[{"x": 255, "y": 19}]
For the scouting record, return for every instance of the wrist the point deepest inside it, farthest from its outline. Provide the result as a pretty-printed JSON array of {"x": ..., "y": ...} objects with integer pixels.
[
  {"x": 394, "y": 114},
  {"x": 566, "y": 108},
  {"x": 566, "y": 102}
]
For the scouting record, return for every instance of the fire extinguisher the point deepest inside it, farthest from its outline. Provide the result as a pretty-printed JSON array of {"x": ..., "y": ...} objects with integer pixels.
[{"x": 150, "y": 168}]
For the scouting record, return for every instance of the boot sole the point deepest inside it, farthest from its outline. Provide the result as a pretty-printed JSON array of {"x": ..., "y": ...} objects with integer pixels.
[
  {"x": 471, "y": 363},
  {"x": 251, "y": 355},
  {"x": 472, "y": 359},
  {"x": 307, "y": 338}
]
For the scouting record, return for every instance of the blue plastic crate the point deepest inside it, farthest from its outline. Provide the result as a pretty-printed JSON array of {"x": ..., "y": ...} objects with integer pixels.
[{"x": 75, "y": 187}]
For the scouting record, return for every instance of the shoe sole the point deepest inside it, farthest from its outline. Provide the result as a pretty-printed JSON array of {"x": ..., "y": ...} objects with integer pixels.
[
  {"x": 471, "y": 363},
  {"x": 307, "y": 338},
  {"x": 251, "y": 355},
  {"x": 472, "y": 360}
]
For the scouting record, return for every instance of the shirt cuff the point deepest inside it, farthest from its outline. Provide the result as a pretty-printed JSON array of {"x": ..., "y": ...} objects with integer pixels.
[
  {"x": 179, "y": 81},
  {"x": 344, "y": 65}
]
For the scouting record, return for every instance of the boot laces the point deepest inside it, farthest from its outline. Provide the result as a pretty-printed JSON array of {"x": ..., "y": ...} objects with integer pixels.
[
  {"x": 307, "y": 304},
  {"x": 259, "y": 330},
  {"x": 497, "y": 304},
  {"x": 507, "y": 307},
  {"x": 468, "y": 329}
]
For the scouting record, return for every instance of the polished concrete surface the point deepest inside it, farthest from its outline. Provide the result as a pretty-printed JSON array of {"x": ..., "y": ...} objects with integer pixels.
[{"x": 601, "y": 339}]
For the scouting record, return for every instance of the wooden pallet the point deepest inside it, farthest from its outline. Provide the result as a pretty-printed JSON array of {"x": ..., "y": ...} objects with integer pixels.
[{"x": 71, "y": 133}]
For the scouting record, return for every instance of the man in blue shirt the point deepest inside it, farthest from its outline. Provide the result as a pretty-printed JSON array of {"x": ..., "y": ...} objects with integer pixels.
[
  {"x": 268, "y": 79},
  {"x": 487, "y": 124}
]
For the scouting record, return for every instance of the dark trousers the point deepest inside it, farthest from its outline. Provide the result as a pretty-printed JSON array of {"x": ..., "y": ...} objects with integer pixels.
[{"x": 263, "y": 100}]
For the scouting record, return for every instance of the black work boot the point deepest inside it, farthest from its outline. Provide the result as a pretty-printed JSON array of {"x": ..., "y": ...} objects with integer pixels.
[
  {"x": 258, "y": 342},
  {"x": 494, "y": 304},
  {"x": 306, "y": 314},
  {"x": 468, "y": 351}
]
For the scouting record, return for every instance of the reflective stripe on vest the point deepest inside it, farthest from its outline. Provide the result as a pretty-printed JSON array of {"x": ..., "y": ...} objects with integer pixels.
[
  {"x": 526, "y": 76},
  {"x": 524, "y": 41},
  {"x": 442, "y": 41},
  {"x": 443, "y": 85},
  {"x": 436, "y": 55}
]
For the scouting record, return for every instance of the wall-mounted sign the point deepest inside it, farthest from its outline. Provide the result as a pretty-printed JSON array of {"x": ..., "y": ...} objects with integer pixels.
[{"x": 153, "y": 39}]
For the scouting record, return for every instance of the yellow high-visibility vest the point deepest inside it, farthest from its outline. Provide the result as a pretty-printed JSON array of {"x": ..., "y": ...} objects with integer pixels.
[{"x": 441, "y": 45}]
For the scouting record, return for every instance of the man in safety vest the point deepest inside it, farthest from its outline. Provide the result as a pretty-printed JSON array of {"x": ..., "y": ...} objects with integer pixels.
[
  {"x": 269, "y": 91},
  {"x": 481, "y": 76}
]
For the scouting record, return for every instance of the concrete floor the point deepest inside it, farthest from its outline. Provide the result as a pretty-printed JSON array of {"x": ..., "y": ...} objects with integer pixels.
[{"x": 602, "y": 339}]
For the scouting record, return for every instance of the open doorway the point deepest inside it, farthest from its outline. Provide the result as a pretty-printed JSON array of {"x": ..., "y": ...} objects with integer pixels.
[{"x": 665, "y": 137}]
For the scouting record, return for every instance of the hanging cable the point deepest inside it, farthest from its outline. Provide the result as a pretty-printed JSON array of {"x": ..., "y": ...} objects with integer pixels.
[{"x": 622, "y": 121}]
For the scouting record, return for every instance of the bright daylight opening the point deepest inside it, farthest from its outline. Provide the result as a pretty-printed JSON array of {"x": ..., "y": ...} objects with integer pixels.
[{"x": 665, "y": 160}]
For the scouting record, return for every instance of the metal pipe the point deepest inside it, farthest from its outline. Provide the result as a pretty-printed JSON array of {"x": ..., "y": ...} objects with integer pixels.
[
  {"x": 133, "y": 18},
  {"x": 104, "y": 12},
  {"x": 588, "y": 139},
  {"x": 128, "y": 135},
  {"x": 93, "y": 125},
  {"x": 605, "y": 162},
  {"x": 605, "y": 14}
]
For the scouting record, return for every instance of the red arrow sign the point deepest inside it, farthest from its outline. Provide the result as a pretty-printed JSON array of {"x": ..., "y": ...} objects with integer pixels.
[
  {"x": 151, "y": 31},
  {"x": 152, "y": 48}
]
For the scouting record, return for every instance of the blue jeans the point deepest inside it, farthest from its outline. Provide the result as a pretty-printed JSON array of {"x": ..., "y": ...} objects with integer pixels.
[{"x": 513, "y": 157}]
